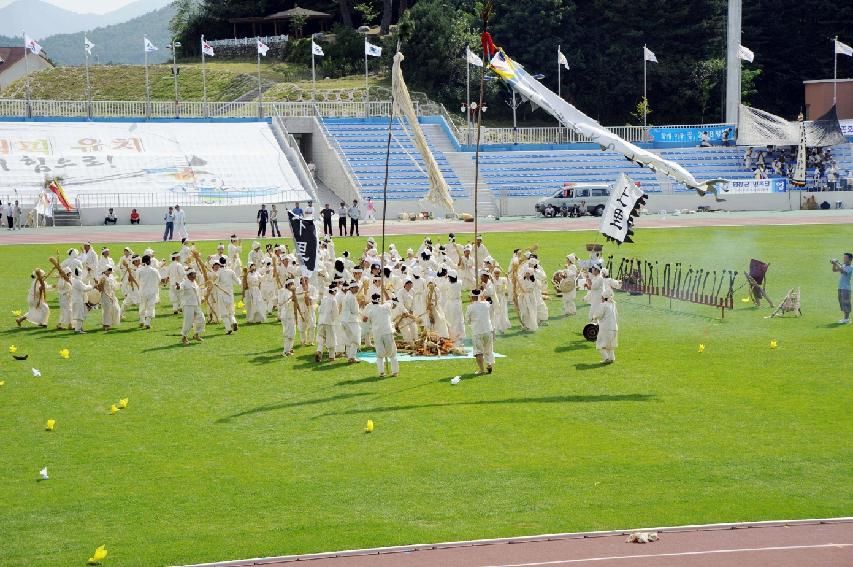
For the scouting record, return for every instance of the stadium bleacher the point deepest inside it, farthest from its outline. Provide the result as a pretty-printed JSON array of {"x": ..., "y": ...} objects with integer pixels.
[{"x": 363, "y": 144}]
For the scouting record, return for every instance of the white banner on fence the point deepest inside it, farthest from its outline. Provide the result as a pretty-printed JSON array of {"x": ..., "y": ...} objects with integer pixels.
[
  {"x": 846, "y": 127},
  {"x": 740, "y": 186},
  {"x": 209, "y": 161}
]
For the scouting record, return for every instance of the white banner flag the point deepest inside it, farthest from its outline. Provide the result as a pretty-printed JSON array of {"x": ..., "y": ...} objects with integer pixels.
[
  {"x": 149, "y": 47},
  {"x": 843, "y": 48},
  {"x": 206, "y": 48},
  {"x": 473, "y": 58},
  {"x": 262, "y": 48},
  {"x": 745, "y": 53},
  {"x": 32, "y": 45},
  {"x": 372, "y": 50},
  {"x": 648, "y": 55},
  {"x": 87, "y": 45},
  {"x": 316, "y": 49},
  {"x": 617, "y": 220},
  {"x": 561, "y": 60}
]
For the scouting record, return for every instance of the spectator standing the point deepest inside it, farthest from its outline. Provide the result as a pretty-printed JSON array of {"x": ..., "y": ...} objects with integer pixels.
[
  {"x": 296, "y": 210},
  {"x": 110, "y": 218},
  {"x": 343, "y": 213},
  {"x": 371, "y": 210},
  {"x": 181, "y": 222},
  {"x": 832, "y": 176},
  {"x": 327, "y": 213},
  {"x": 263, "y": 217},
  {"x": 844, "y": 285},
  {"x": 308, "y": 213},
  {"x": 726, "y": 134},
  {"x": 274, "y": 221},
  {"x": 134, "y": 217},
  {"x": 354, "y": 214},
  {"x": 170, "y": 224},
  {"x": 17, "y": 214},
  {"x": 705, "y": 140},
  {"x": 816, "y": 178}
]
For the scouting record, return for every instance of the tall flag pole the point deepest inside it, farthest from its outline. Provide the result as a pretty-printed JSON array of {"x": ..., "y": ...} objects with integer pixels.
[
  {"x": 262, "y": 50},
  {"x": 148, "y": 46},
  {"x": 648, "y": 55},
  {"x": 843, "y": 49},
  {"x": 471, "y": 58},
  {"x": 27, "y": 70},
  {"x": 488, "y": 51},
  {"x": 315, "y": 50},
  {"x": 87, "y": 46},
  {"x": 559, "y": 74},
  {"x": 373, "y": 51},
  {"x": 206, "y": 49}
]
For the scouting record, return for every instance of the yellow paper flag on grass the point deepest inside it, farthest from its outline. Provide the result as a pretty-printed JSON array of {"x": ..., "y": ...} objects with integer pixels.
[
  {"x": 17, "y": 312},
  {"x": 774, "y": 344},
  {"x": 13, "y": 349},
  {"x": 701, "y": 348},
  {"x": 51, "y": 423},
  {"x": 369, "y": 427},
  {"x": 122, "y": 403},
  {"x": 113, "y": 409},
  {"x": 65, "y": 353},
  {"x": 100, "y": 554}
]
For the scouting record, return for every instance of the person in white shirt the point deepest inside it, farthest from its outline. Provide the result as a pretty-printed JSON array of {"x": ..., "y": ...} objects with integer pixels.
[
  {"x": 110, "y": 307},
  {"x": 451, "y": 296},
  {"x": 595, "y": 285},
  {"x": 176, "y": 274},
  {"x": 149, "y": 288},
  {"x": 378, "y": 315},
  {"x": 78, "y": 300},
  {"x": 568, "y": 285},
  {"x": 190, "y": 298},
  {"x": 287, "y": 314},
  {"x": 307, "y": 298},
  {"x": 39, "y": 311},
  {"x": 64, "y": 288},
  {"x": 350, "y": 322},
  {"x": 256, "y": 307},
  {"x": 478, "y": 315},
  {"x": 307, "y": 212},
  {"x": 606, "y": 316},
  {"x": 225, "y": 282},
  {"x": 234, "y": 251},
  {"x": 181, "y": 222},
  {"x": 105, "y": 261},
  {"x": 327, "y": 318}
]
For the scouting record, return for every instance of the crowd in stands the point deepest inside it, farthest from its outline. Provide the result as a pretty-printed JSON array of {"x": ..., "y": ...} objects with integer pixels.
[{"x": 781, "y": 161}]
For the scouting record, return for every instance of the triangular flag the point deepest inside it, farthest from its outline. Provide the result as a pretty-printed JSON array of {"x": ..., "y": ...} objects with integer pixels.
[
  {"x": 149, "y": 47},
  {"x": 316, "y": 49},
  {"x": 745, "y": 53},
  {"x": 503, "y": 65},
  {"x": 88, "y": 45},
  {"x": 206, "y": 48},
  {"x": 262, "y": 48},
  {"x": 370, "y": 49},
  {"x": 843, "y": 48},
  {"x": 561, "y": 60},
  {"x": 648, "y": 55},
  {"x": 473, "y": 58},
  {"x": 31, "y": 44}
]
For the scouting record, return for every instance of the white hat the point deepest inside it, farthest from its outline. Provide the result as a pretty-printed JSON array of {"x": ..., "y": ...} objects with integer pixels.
[
  {"x": 148, "y": 252},
  {"x": 452, "y": 274},
  {"x": 572, "y": 258},
  {"x": 604, "y": 272},
  {"x": 256, "y": 244}
]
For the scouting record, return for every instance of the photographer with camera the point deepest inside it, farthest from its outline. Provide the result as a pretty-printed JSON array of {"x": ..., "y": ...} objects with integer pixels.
[{"x": 844, "y": 285}]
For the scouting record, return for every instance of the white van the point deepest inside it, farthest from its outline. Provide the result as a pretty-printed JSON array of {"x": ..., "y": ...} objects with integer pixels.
[{"x": 593, "y": 195}]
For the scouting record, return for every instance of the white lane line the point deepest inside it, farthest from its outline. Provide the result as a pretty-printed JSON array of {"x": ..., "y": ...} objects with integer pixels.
[{"x": 681, "y": 554}]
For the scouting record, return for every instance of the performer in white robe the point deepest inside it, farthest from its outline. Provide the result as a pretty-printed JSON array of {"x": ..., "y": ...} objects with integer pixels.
[
  {"x": 307, "y": 300},
  {"x": 595, "y": 284},
  {"x": 226, "y": 281},
  {"x": 110, "y": 307},
  {"x": 131, "y": 284},
  {"x": 452, "y": 303},
  {"x": 379, "y": 316},
  {"x": 256, "y": 309},
  {"x": 149, "y": 289},
  {"x": 527, "y": 290},
  {"x": 407, "y": 322},
  {"x": 433, "y": 318},
  {"x": 482, "y": 252},
  {"x": 39, "y": 311},
  {"x": 606, "y": 316},
  {"x": 176, "y": 274},
  {"x": 78, "y": 300},
  {"x": 478, "y": 316},
  {"x": 467, "y": 270},
  {"x": 500, "y": 304},
  {"x": 256, "y": 255},
  {"x": 287, "y": 314},
  {"x": 350, "y": 321},
  {"x": 327, "y": 317},
  {"x": 568, "y": 286},
  {"x": 190, "y": 300},
  {"x": 63, "y": 286}
]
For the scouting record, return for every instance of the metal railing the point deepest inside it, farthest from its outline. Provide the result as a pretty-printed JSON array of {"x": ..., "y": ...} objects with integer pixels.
[
  {"x": 246, "y": 41},
  {"x": 556, "y": 135}
]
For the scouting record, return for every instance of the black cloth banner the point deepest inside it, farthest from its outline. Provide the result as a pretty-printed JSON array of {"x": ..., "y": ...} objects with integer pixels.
[{"x": 305, "y": 236}]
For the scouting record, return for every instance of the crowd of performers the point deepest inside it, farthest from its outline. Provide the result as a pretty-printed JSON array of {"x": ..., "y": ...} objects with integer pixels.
[{"x": 413, "y": 300}]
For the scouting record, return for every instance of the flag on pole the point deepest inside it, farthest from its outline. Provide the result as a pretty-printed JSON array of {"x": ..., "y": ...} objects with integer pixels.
[
  {"x": 561, "y": 60},
  {"x": 648, "y": 55},
  {"x": 206, "y": 48},
  {"x": 262, "y": 47},
  {"x": 88, "y": 45},
  {"x": 316, "y": 49},
  {"x": 149, "y": 47},
  {"x": 57, "y": 190},
  {"x": 473, "y": 58},
  {"x": 32, "y": 45},
  {"x": 745, "y": 53},
  {"x": 503, "y": 65},
  {"x": 305, "y": 236},
  {"x": 843, "y": 48},
  {"x": 370, "y": 49}
]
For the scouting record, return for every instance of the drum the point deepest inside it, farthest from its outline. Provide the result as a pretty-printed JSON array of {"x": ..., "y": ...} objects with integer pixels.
[{"x": 590, "y": 332}]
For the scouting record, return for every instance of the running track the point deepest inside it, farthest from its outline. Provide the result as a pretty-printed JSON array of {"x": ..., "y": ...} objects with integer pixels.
[
  {"x": 806, "y": 543},
  {"x": 220, "y": 232}
]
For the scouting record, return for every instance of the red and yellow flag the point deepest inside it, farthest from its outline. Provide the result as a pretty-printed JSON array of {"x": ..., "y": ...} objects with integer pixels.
[{"x": 57, "y": 190}]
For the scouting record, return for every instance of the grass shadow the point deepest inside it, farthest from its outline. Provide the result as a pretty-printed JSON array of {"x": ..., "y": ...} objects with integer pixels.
[
  {"x": 587, "y": 366},
  {"x": 287, "y": 404},
  {"x": 575, "y": 345},
  {"x": 542, "y": 400},
  {"x": 368, "y": 380}
]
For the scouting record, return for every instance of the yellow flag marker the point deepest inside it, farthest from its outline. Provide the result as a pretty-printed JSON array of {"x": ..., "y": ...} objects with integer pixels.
[
  {"x": 369, "y": 427},
  {"x": 701, "y": 348},
  {"x": 2, "y": 382},
  {"x": 100, "y": 555},
  {"x": 774, "y": 344},
  {"x": 17, "y": 312},
  {"x": 113, "y": 409},
  {"x": 244, "y": 312},
  {"x": 240, "y": 305},
  {"x": 13, "y": 349},
  {"x": 745, "y": 300},
  {"x": 51, "y": 423},
  {"x": 122, "y": 403},
  {"x": 64, "y": 353}
]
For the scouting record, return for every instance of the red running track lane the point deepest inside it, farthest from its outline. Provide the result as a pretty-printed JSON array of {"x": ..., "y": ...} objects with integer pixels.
[
  {"x": 153, "y": 233},
  {"x": 793, "y": 545}
]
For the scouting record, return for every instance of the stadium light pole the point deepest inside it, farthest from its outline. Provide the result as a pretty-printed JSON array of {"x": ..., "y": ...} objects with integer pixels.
[
  {"x": 174, "y": 47},
  {"x": 733, "y": 33}
]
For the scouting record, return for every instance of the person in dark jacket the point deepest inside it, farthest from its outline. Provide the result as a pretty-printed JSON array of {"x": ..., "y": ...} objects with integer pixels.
[{"x": 263, "y": 217}]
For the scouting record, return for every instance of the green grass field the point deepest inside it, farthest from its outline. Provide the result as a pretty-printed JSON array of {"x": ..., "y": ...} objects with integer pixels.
[{"x": 229, "y": 451}]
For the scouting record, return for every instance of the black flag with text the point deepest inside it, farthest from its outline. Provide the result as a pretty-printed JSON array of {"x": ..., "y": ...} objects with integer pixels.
[{"x": 305, "y": 236}]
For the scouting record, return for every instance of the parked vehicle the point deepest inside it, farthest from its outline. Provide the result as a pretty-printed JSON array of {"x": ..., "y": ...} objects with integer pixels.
[{"x": 576, "y": 199}]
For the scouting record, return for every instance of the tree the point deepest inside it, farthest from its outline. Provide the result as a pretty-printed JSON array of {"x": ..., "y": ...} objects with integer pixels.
[
  {"x": 368, "y": 13},
  {"x": 387, "y": 13},
  {"x": 297, "y": 24},
  {"x": 344, "y": 11},
  {"x": 707, "y": 77}
]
